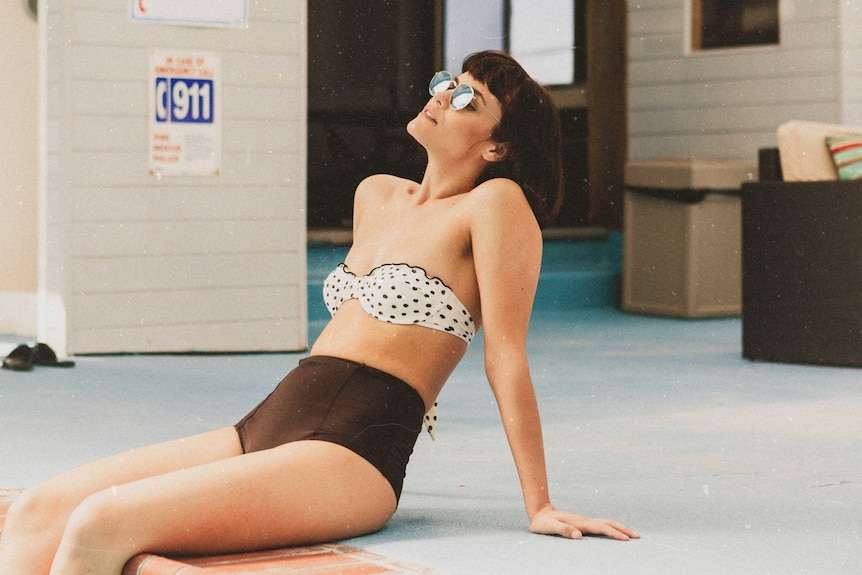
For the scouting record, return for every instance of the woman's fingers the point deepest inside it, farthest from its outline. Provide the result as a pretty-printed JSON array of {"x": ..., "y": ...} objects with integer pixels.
[{"x": 551, "y": 521}]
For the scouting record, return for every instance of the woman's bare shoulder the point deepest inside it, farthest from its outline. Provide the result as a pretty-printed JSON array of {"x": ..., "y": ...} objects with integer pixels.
[
  {"x": 498, "y": 186},
  {"x": 501, "y": 200}
]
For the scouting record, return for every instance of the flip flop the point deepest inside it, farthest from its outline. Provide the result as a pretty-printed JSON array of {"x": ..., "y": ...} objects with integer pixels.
[
  {"x": 44, "y": 356},
  {"x": 21, "y": 359}
]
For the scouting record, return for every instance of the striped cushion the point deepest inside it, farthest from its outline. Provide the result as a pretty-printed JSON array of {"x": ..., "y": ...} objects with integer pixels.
[{"x": 847, "y": 156}]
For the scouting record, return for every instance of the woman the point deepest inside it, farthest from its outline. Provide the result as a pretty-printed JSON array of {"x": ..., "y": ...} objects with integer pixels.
[{"x": 323, "y": 457}]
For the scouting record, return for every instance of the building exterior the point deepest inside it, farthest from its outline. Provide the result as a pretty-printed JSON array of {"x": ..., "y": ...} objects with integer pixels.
[
  {"x": 728, "y": 103},
  {"x": 136, "y": 259},
  {"x": 103, "y": 255}
]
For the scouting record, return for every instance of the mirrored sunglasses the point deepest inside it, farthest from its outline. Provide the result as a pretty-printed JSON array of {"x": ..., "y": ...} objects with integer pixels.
[{"x": 462, "y": 94}]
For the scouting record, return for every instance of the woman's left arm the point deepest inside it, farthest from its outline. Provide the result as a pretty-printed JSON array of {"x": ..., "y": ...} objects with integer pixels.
[{"x": 507, "y": 254}]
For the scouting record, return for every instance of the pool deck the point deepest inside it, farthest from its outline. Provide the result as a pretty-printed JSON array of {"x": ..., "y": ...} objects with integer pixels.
[{"x": 723, "y": 465}]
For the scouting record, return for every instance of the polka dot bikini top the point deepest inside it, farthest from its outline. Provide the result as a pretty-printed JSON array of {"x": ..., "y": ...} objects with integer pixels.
[{"x": 403, "y": 295}]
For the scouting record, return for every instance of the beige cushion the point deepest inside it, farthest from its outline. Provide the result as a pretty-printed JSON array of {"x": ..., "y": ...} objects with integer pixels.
[{"x": 804, "y": 154}]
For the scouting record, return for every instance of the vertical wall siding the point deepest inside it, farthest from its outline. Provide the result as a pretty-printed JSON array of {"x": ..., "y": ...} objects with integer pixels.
[
  {"x": 851, "y": 53},
  {"x": 137, "y": 263},
  {"x": 52, "y": 197},
  {"x": 728, "y": 103}
]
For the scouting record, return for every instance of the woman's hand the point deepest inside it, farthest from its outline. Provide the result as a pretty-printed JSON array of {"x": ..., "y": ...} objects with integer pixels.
[{"x": 551, "y": 521}]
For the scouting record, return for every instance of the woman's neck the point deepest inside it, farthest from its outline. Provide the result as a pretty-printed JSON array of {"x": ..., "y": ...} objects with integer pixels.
[{"x": 444, "y": 180}]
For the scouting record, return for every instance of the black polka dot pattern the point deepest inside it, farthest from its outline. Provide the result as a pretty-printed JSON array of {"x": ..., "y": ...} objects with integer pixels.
[
  {"x": 431, "y": 421},
  {"x": 401, "y": 294}
]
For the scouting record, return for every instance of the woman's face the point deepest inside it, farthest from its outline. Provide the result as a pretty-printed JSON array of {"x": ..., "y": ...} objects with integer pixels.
[{"x": 457, "y": 130}]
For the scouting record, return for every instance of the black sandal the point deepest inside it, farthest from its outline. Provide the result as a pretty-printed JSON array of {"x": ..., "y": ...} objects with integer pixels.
[
  {"x": 44, "y": 356},
  {"x": 21, "y": 359},
  {"x": 24, "y": 358}
]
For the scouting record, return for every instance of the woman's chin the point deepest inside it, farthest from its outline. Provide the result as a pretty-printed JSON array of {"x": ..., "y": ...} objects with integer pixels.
[{"x": 413, "y": 128}]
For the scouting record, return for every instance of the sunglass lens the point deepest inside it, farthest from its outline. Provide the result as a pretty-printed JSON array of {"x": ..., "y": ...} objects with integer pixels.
[
  {"x": 440, "y": 82},
  {"x": 461, "y": 97}
]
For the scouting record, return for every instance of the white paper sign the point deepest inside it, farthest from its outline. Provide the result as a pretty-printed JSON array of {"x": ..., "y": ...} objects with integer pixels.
[
  {"x": 191, "y": 12},
  {"x": 185, "y": 113}
]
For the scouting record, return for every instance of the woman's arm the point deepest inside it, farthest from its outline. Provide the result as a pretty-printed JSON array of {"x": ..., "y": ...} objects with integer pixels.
[{"x": 507, "y": 253}]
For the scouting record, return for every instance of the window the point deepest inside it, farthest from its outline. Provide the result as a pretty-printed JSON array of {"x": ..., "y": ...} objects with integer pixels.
[
  {"x": 733, "y": 23},
  {"x": 545, "y": 41},
  {"x": 471, "y": 26}
]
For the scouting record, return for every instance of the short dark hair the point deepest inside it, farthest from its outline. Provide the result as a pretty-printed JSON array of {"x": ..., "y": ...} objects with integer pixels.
[{"x": 530, "y": 128}]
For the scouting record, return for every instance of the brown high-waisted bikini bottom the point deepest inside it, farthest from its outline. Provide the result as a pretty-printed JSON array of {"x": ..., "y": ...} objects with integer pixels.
[{"x": 372, "y": 413}]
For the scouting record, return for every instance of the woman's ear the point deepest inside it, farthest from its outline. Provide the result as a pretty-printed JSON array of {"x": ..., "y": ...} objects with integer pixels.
[{"x": 497, "y": 153}]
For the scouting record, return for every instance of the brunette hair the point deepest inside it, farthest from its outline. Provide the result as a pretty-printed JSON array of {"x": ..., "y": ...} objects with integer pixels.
[{"x": 530, "y": 128}]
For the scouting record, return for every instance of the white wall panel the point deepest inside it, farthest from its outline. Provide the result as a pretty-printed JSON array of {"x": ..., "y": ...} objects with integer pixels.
[
  {"x": 728, "y": 103},
  {"x": 192, "y": 237},
  {"x": 183, "y": 272},
  {"x": 203, "y": 337},
  {"x": 177, "y": 308},
  {"x": 187, "y": 204},
  {"x": 136, "y": 262}
]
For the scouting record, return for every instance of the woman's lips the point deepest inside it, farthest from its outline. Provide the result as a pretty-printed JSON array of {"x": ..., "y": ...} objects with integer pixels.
[{"x": 429, "y": 115}]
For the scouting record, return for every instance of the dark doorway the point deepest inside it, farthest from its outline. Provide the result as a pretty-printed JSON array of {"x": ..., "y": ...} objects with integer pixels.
[{"x": 369, "y": 62}]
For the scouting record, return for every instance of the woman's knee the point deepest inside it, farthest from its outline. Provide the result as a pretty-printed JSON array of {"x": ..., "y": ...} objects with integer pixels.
[
  {"x": 38, "y": 509},
  {"x": 94, "y": 539},
  {"x": 94, "y": 523}
]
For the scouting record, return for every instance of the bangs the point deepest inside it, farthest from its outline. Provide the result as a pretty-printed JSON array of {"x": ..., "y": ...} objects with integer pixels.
[{"x": 497, "y": 70}]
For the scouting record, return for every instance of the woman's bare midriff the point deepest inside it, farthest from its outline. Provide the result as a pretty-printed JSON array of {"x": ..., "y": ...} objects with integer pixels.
[{"x": 422, "y": 357}]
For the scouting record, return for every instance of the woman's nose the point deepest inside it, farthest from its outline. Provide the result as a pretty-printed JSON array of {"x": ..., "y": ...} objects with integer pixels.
[{"x": 445, "y": 97}]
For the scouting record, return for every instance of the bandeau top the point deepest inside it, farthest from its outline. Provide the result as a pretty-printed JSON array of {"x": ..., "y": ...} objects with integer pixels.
[{"x": 401, "y": 294}]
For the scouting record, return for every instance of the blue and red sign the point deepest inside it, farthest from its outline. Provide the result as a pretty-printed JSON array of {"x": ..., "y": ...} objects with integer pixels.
[{"x": 184, "y": 100}]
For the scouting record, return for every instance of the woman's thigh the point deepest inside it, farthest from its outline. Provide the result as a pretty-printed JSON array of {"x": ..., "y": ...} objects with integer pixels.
[
  {"x": 297, "y": 493},
  {"x": 73, "y": 486},
  {"x": 39, "y": 518}
]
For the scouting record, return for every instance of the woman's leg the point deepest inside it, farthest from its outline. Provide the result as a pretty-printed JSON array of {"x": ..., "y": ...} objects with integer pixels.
[
  {"x": 298, "y": 493},
  {"x": 37, "y": 519}
]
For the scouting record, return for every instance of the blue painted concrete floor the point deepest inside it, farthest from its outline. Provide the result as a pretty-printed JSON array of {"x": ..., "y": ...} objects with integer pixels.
[{"x": 723, "y": 465}]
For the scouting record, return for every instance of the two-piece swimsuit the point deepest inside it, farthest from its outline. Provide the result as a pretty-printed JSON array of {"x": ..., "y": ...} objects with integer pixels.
[{"x": 371, "y": 412}]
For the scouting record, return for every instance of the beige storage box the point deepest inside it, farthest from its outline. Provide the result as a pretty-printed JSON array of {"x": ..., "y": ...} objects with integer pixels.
[{"x": 681, "y": 237}]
